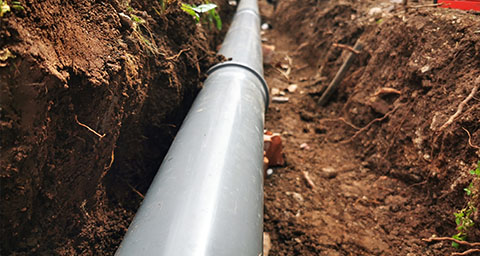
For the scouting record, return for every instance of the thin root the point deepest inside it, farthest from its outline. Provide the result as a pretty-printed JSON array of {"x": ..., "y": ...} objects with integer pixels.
[
  {"x": 460, "y": 108},
  {"x": 370, "y": 124},
  {"x": 135, "y": 190},
  {"x": 178, "y": 54},
  {"x": 470, "y": 139},
  {"x": 346, "y": 47},
  {"x": 467, "y": 252},
  {"x": 432, "y": 239},
  {"x": 88, "y": 128},
  {"x": 341, "y": 119}
]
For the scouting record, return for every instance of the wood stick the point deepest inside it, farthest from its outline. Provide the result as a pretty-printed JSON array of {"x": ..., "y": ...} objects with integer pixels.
[
  {"x": 309, "y": 180},
  {"x": 340, "y": 75}
]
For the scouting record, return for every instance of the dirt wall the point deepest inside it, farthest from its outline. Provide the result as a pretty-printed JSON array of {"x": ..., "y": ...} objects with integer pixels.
[{"x": 90, "y": 101}]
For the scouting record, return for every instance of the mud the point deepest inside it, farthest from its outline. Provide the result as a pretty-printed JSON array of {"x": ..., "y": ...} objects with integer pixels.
[{"x": 386, "y": 175}]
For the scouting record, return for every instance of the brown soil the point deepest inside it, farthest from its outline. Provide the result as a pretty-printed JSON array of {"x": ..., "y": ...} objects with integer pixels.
[
  {"x": 67, "y": 189},
  {"x": 385, "y": 174}
]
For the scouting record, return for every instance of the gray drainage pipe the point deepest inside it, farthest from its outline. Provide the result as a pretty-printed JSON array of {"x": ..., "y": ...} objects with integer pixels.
[{"x": 207, "y": 197}]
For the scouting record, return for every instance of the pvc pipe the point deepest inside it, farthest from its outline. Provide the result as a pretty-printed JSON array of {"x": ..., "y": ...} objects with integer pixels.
[{"x": 207, "y": 197}]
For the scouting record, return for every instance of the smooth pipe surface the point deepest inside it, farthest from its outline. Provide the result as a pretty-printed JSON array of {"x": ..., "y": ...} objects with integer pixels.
[{"x": 207, "y": 197}]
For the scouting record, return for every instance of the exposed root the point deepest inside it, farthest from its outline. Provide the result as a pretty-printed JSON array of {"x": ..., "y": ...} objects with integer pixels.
[
  {"x": 88, "y": 128},
  {"x": 470, "y": 139},
  {"x": 387, "y": 90},
  {"x": 105, "y": 170},
  {"x": 370, "y": 124},
  {"x": 340, "y": 119},
  {"x": 178, "y": 54},
  {"x": 135, "y": 190},
  {"x": 460, "y": 108},
  {"x": 467, "y": 252},
  {"x": 432, "y": 239},
  {"x": 346, "y": 47}
]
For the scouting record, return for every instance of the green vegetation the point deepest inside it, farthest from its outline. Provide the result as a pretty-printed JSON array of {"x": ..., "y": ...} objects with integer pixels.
[
  {"x": 141, "y": 31},
  {"x": 5, "y": 7},
  {"x": 204, "y": 13},
  {"x": 463, "y": 218}
]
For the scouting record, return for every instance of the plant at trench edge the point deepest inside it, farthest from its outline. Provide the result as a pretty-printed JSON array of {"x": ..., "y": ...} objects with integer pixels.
[
  {"x": 205, "y": 12},
  {"x": 463, "y": 218}
]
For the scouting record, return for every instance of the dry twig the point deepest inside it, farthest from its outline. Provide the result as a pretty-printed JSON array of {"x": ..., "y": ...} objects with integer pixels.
[
  {"x": 346, "y": 47},
  {"x": 387, "y": 90},
  {"x": 425, "y": 5},
  {"x": 283, "y": 73},
  {"x": 309, "y": 180},
  {"x": 88, "y": 128},
  {"x": 460, "y": 108}
]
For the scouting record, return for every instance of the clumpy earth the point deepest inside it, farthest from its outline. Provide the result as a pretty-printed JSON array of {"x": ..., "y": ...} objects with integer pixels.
[
  {"x": 92, "y": 94},
  {"x": 375, "y": 170}
]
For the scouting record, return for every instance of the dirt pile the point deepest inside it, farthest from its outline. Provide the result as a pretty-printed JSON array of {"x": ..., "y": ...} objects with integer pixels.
[
  {"x": 398, "y": 176},
  {"x": 92, "y": 94}
]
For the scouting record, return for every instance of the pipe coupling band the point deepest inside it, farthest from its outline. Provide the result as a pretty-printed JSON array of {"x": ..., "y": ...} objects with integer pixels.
[{"x": 246, "y": 67}]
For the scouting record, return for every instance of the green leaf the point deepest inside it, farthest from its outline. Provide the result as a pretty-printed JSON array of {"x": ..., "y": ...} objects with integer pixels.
[
  {"x": 189, "y": 10},
  {"x": 4, "y": 8},
  {"x": 137, "y": 19},
  {"x": 469, "y": 189},
  {"x": 216, "y": 17},
  {"x": 204, "y": 8},
  {"x": 455, "y": 245}
]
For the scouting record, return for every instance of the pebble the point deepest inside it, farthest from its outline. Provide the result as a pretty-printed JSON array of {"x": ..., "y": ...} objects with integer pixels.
[
  {"x": 305, "y": 146},
  {"x": 329, "y": 172},
  {"x": 269, "y": 172},
  {"x": 292, "y": 88},
  {"x": 280, "y": 99}
]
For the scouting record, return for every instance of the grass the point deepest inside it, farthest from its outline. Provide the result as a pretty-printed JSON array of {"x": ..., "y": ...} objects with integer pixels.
[{"x": 463, "y": 218}]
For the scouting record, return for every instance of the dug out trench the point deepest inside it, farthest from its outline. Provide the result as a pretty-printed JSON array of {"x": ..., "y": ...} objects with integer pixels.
[{"x": 380, "y": 167}]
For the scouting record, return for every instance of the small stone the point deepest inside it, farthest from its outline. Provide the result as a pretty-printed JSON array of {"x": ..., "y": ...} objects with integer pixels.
[
  {"x": 329, "y": 172},
  {"x": 267, "y": 244},
  {"x": 292, "y": 88},
  {"x": 295, "y": 195},
  {"x": 269, "y": 172},
  {"x": 425, "y": 68},
  {"x": 280, "y": 99},
  {"x": 275, "y": 91},
  {"x": 305, "y": 146}
]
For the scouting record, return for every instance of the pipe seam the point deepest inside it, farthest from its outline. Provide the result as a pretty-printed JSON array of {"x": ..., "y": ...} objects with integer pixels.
[{"x": 246, "y": 67}]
